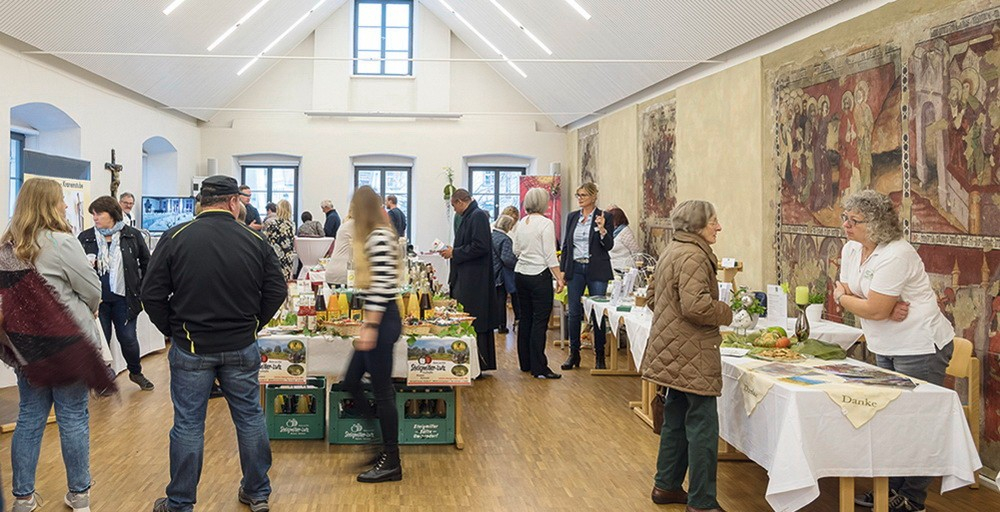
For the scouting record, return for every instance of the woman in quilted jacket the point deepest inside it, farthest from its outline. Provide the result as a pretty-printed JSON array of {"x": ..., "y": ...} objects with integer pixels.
[{"x": 683, "y": 355}]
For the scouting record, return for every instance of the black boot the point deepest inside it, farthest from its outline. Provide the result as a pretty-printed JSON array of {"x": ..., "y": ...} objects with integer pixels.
[
  {"x": 599, "y": 360},
  {"x": 387, "y": 469},
  {"x": 572, "y": 360}
]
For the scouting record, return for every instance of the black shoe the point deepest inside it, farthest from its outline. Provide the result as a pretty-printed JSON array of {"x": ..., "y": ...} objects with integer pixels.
[
  {"x": 572, "y": 360},
  {"x": 502, "y": 330},
  {"x": 216, "y": 392},
  {"x": 255, "y": 505},
  {"x": 141, "y": 380},
  {"x": 385, "y": 470},
  {"x": 550, "y": 375},
  {"x": 600, "y": 365}
]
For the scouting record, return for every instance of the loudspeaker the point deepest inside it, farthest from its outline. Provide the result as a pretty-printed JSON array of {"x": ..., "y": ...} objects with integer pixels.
[
  {"x": 213, "y": 167},
  {"x": 555, "y": 168}
]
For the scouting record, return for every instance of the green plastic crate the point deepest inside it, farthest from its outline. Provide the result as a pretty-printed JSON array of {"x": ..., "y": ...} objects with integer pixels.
[
  {"x": 346, "y": 426},
  {"x": 296, "y": 412},
  {"x": 434, "y": 422}
]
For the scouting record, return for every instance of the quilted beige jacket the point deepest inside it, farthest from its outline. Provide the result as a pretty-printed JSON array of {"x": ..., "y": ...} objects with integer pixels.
[{"x": 683, "y": 348}]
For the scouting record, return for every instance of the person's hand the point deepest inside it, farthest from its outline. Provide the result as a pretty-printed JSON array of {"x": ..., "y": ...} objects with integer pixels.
[
  {"x": 900, "y": 311},
  {"x": 599, "y": 220},
  {"x": 255, "y": 225},
  {"x": 447, "y": 252},
  {"x": 366, "y": 341},
  {"x": 560, "y": 284},
  {"x": 839, "y": 290}
]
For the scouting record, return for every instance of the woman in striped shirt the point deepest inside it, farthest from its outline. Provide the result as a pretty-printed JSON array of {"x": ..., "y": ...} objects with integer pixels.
[{"x": 376, "y": 266}]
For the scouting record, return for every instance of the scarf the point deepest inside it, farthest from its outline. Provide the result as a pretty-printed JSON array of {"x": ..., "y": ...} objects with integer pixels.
[
  {"x": 619, "y": 229},
  {"x": 39, "y": 336},
  {"x": 109, "y": 257}
]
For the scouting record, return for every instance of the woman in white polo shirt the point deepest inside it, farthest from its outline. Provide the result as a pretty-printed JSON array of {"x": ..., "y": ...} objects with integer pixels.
[{"x": 883, "y": 282}]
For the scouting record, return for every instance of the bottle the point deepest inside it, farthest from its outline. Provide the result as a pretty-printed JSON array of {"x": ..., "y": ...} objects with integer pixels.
[
  {"x": 425, "y": 302},
  {"x": 311, "y": 316},
  {"x": 321, "y": 314},
  {"x": 342, "y": 306},
  {"x": 357, "y": 303},
  {"x": 441, "y": 411},
  {"x": 414, "y": 307},
  {"x": 350, "y": 274},
  {"x": 302, "y": 406},
  {"x": 279, "y": 404},
  {"x": 302, "y": 316}
]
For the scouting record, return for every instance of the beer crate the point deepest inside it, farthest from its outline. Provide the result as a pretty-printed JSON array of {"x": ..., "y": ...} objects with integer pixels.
[
  {"x": 346, "y": 425},
  {"x": 295, "y": 411},
  {"x": 426, "y": 415}
]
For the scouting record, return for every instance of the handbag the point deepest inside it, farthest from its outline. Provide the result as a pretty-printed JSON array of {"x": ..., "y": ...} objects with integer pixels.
[{"x": 656, "y": 408}]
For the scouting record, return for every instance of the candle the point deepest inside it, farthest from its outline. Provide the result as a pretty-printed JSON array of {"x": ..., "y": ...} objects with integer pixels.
[{"x": 802, "y": 295}]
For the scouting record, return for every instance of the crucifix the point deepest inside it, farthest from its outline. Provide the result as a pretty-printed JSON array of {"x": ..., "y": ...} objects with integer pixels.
[{"x": 116, "y": 170}]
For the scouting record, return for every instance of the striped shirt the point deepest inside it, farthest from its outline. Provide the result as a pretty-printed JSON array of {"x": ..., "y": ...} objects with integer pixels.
[{"x": 382, "y": 250}]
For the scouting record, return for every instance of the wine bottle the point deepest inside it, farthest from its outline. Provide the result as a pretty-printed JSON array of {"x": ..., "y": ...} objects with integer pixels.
[{"x": 321, "y": 314}]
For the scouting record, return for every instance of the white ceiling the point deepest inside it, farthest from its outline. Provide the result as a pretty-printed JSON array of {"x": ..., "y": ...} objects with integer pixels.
[{"x": 691, "y": 30}]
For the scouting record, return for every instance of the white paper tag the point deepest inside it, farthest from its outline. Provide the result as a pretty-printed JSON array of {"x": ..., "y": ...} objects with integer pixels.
[
  {"x": 725, "y": 292},
  {"x": 777, "y": 305},
  {"x": 728, "y": 262}
]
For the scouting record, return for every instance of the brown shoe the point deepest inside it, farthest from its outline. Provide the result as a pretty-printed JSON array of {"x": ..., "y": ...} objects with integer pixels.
[
  {"x": 661, "y": 497},
  {"x": 689, "y": 508}
]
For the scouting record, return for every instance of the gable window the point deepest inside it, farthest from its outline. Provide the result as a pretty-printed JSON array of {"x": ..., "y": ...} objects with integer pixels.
[
  {"x": 496, "y": 188},
  {"x": 16, "y": 167},
  {"x": 388, "y": 180},
  {"x": 383, "y": 30}
]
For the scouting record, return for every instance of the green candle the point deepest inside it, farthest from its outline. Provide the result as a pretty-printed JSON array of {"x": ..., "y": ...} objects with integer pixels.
[{"x": 802, "y": 295}]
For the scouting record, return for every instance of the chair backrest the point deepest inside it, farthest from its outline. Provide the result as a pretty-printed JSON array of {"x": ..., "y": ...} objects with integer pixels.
[{"x": 960, "y": 358}]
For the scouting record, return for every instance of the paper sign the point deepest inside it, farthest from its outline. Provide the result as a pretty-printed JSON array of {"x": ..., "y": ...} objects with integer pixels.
[
  {"x": 282, "y": 360},
  {"x": 728, "y": 262},
  {"x": 438, "y": 362},
  {"x": 777, "y": 305},
  {"x": 725, "y": 292}
]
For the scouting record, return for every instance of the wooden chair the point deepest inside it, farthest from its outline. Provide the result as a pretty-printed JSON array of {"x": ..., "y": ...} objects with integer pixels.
[{"x": 965, "y": 365}]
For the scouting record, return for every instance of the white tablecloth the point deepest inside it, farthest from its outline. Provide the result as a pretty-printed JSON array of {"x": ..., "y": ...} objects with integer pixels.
[
  {"x": 150, "y": 340},
  {"x": 310, "y": 250},
  {"x": 800, "y": 435},
  {"x": 330, "y": 356},
  {"x": 837, "y": 333}
]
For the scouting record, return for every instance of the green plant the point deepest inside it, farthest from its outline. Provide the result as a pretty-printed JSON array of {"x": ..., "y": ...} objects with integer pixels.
[
  {"x": 744, "y": 300},
  {"x": 817, "y": 298},
  {"x": 449, "y": 189}
]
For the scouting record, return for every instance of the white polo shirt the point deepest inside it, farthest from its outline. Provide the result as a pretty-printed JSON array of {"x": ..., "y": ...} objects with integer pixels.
[{"x": 896, "y": 269}]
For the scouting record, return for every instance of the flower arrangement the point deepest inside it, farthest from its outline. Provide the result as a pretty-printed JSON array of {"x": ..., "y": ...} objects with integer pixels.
[{"x": 743, "y": 300}]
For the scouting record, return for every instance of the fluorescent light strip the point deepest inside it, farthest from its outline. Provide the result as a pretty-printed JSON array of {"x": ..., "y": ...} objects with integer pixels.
[
  {"x": 583, "y": 12},
  {"x": 173, "y": 5},
  {"x": 481, "y": 36},
  {"x": 282, "y": 36},
  {"x": 521, "y": 26},
  {"x": 237, "y": 25}
]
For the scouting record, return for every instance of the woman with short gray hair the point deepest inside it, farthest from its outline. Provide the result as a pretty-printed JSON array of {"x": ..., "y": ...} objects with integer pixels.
[
  {"x": 682, "y": 354},
  {"x": 535, "y": 247},
  {"x": 882, "y": 279}
]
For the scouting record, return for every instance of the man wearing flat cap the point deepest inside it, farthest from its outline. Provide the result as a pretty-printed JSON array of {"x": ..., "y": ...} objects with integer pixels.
[{"x": 200, "y": 279}]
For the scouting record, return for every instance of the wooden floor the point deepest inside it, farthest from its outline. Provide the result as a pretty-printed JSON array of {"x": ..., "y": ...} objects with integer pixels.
[{"x": 531, "y": 444}]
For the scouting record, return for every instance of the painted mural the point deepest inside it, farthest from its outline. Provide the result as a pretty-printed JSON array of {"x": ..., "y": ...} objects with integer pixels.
[
  {"x": 814, "y": 261},
  {"x": 837, "y": 129},
  {"x": 657, "y": 136},
  {"x": 587, "y": 150},
  {"x": 955, "y": 128}
]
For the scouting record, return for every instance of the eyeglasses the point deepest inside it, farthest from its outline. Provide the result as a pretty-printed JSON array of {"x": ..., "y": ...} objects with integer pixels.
[
  {"x": 581, "y": 196},
  {"x": 244, "y": 195},
  {"x": 851, "y": 222}
]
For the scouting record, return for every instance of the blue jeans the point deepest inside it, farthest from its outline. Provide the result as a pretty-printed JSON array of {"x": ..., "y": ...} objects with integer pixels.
[
  {"x": 115, "y": 312},
  {"x": 576, "y": 283},
  {"x": 191, "y": 378},
  {"x": 73, "y": 420},
  {"x": 931, "y": 368}
]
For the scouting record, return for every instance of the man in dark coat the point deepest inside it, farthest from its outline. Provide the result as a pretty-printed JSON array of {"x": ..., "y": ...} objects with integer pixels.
[{"x": 472, "y": 278}]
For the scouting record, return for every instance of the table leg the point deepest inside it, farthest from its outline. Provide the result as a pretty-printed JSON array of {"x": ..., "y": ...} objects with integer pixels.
[
  {"x": 881, "y": 492},
  {"x": 846, "y": 494},
  {"x": 612, "y": 345},
  {"x": 459, "y": 441},
  {"x": 643, "y": 410}
]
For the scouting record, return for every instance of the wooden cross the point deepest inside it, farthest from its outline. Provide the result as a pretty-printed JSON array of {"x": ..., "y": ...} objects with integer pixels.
[{"x": 116, "y": 170}]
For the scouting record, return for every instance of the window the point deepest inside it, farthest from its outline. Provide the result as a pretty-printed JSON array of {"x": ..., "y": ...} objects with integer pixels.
[
  {"x": 382, "y": 30},
  {"x": 496, "y": 188},
  {"x": 16, "y": 167},
  {"x": 270, "y": 184},
  {"x": 388, "y": 180}
]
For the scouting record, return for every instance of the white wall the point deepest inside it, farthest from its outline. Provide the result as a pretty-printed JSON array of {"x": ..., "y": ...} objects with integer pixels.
[
  {"x": 327, "y": 145},
  {"x": 107, "y": 120}
]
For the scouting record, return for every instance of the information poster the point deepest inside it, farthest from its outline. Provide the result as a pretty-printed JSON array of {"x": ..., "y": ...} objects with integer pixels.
[
  {"x": 551, "y": 184},
  {"x": 438, "y": 362},
  {"x": 76, "y": 193},
  {"x": 282, "y": 360}
]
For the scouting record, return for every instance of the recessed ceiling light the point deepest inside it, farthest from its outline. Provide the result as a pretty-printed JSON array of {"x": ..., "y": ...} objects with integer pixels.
[
  {"x": 237, "y": 25},
  {"x": 173, "y": 5},
  {"x": 578, "y": 8},
  {"x": 282, "y": 36},
  {"x": 521, "y": 26},
  {"x": 481, "y": 36}
]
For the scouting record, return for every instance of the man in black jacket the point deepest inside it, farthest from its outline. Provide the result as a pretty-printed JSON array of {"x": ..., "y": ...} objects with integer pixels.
[
  {"x": 396, "y": 216},
  {"x": 332, "y": 223},
  {"x": 472, "y": 280},
  {"x": 212, "y": 284}
]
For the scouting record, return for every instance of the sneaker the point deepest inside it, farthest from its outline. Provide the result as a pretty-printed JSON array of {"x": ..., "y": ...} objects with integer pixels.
[
  {"x": 26, "y": 504},
  {"x": 868, "y": 499},
  {"x": 161, "y": 505},
  {"x": 141, "y": 380},
  {"x": 255, "y": 505},
  {"x": 900, "y": 503},
  {"x": 78, "y": 501}
]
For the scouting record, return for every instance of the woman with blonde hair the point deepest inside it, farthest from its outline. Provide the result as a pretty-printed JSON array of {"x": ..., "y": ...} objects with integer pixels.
[
  {"x": 280, "y": 233},
  {"x": 376, "y": 267},
  {"x": 49, "y": 294}
]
